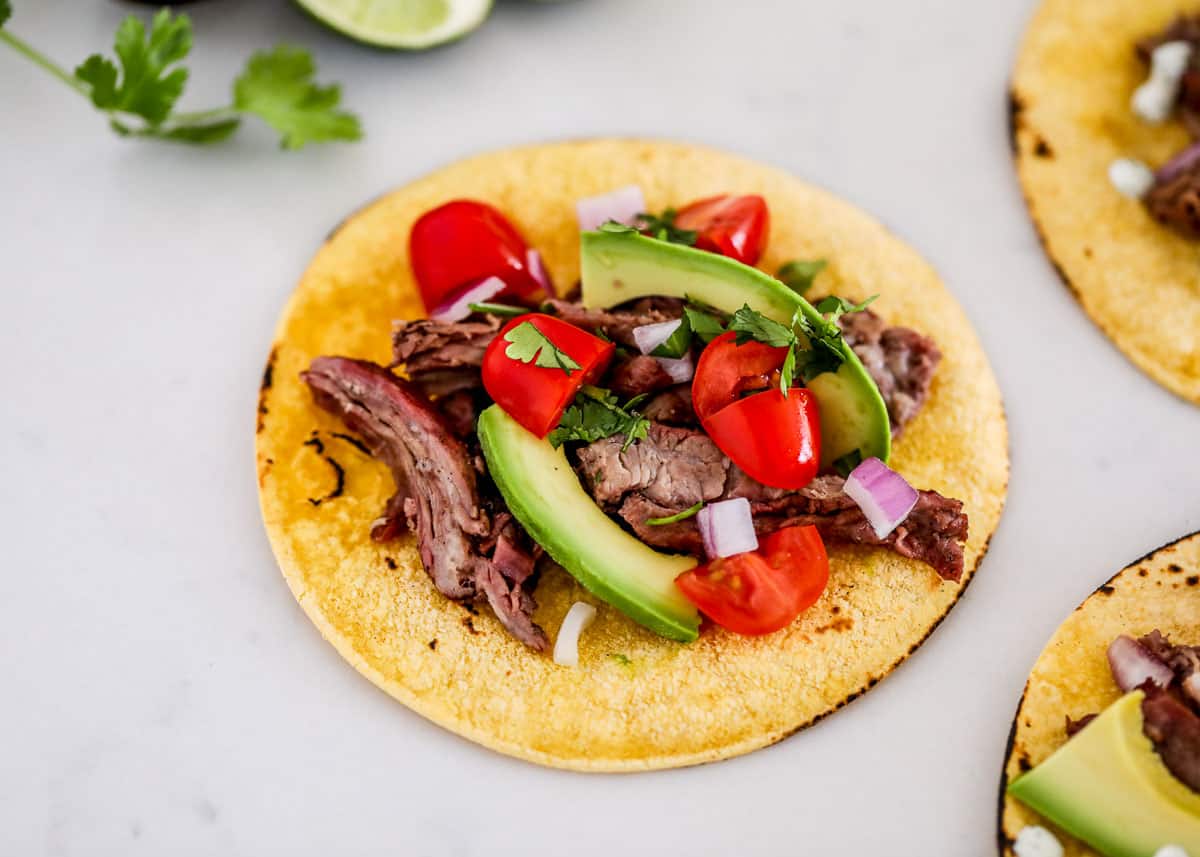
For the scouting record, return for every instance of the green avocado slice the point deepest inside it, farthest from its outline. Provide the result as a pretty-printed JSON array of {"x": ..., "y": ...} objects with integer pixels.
[
  {"x": 545, "y": 496},
  {"x": 1108, "y": 787},
  {"x": 621, "y": 266}
]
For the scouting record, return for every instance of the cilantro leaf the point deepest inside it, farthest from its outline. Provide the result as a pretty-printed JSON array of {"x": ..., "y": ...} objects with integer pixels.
[
  {"x": 663, "y": 228},
  {"x": 752, "y": 326},
  {"x": 678, "y": 343},
  {"x": 705, "y": 326},
  {"x": 504, "y": 310},
  {"x": 527, "y": 344},
  {"x": 597, "y": 414},
  {"x": 146, "y": 85},
  {"x": 5, "y": 11},
  {"x": 798, "y": 274},
  {"x": 277, "y": 86},
  {"x": 620, "y": 658},
  {"x": 679, "y": 516},
  {"x": 834, "y": 307}
]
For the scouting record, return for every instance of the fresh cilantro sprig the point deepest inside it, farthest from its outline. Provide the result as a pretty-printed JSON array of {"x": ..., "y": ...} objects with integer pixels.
[
  {"x": 677, "y": 517},
  {"x": 662, "y": 226},
  {"x": 527, "y": 344},
  {"x": 798, "y": 274},
  {"x": 814, "y": 346},
  {"x": 138, "y": 91},
  {"x": 596, "y": 414}
]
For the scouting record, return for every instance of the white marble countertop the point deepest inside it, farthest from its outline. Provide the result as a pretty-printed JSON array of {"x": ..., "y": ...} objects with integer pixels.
[{"x": 163, "y": 693}]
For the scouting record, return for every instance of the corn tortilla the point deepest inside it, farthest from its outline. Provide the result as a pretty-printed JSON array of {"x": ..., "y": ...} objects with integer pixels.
[
  {"x": 1071, "y": 678},
  {"x": 637, "y": 701},
  {"x": 1071, "y": 118}
]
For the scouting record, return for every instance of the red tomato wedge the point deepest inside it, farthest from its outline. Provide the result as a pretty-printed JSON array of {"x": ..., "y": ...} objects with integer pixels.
[
  {"x": 456, "y": 245},
  {"x": 761, "y": 591},
  {"x": 734, "y": 226},
  {"x": 536, "y": 396},
  {"x": 776, "y": 439}
]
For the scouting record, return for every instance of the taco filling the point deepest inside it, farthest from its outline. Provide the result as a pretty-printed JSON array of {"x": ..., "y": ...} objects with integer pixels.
[
  {"x": 1170, "y": 193},
  {"x": 682, "y": 433},
  {"x": 1142, "y": 754}
]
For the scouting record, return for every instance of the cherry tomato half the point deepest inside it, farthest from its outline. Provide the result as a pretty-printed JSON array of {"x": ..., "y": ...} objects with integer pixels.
[
  {"x": 761, "y": 591},
  {"x": 776, "y": 439},
  {"x": 463, "y": 242},
  {"x": 734, "y": 226},
  {"x": 536, "y": 396}
]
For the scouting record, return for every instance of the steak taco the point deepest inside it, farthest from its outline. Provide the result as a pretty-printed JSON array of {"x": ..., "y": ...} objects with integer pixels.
[
  {"x": 548, "y": 455},
  {"x": 1105, "y": 109},
  {"x": 1104, "y": 756}
]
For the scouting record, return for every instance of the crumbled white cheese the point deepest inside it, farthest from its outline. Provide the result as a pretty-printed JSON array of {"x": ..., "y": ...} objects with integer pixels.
[
  {"x": 1131, "y": 178},
  {"x": 1154, "y": 99},
  {"x": 1037, "y": 841},
  {"x": 1171, "y": 851}
]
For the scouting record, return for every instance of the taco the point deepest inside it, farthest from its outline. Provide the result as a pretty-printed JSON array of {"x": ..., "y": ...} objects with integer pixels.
[
  {"x": 1105, "y": 110},
  {"x": 1104, "y": 755},
  {"x": 615, "y": 416}
]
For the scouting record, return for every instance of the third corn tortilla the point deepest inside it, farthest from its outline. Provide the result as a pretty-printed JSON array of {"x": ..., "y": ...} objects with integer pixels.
[
  {"x": 1161, "y": 591},
  {"x": 637, "y": 701},
  {"x": 1071, "y": 118}
]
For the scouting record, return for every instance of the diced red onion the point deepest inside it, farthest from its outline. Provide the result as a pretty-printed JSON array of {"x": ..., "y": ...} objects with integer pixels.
[
  {"x": 459, "y": 307},
  {"x": 1191, "y": 686},
  {"x": 1179, "y": 164},
  {"x": 727, "y": 528},
  {"x": 537, "y": 270},
  {"x": 566, "y": 645},
  {"x": 681, "y": 370},
  {"x": 622, "y": 205},
  {"x": 650, "y": 336},
  {"x": 882, "y": 494},
  {"x": 1132, "y": 665}
]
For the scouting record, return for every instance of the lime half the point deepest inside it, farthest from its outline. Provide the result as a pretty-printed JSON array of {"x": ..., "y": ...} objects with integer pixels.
[{"x": 407, "y": 24}]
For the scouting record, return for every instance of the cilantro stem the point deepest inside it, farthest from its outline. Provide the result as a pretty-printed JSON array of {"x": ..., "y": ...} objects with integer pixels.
[
  {"x": 26, "y": 50},
  {"x": 198, "y": 116},
  {"x": 672, "y": 519}
]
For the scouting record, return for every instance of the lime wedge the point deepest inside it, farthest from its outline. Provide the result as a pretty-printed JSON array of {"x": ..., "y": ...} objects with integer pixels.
[{"x": 407, "y": 24}]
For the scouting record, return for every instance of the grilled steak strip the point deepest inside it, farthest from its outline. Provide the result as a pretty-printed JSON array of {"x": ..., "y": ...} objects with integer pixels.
[
  {"x": 674, "y": 468},
  {"x": 1174, "y": 729},
  {"x": 901, "y": 362},
  {"x": 463, "y": 553},
  {"x": 443, "y": 357},
  {"x": 617, "y": 325}
]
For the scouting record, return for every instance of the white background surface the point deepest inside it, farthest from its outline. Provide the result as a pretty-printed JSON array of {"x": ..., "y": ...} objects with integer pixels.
[{"x": 161, "y": 692}]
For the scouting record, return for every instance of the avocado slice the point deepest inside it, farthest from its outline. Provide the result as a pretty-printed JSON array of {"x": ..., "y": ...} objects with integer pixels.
[
  {"x": 621, "y": 266},
  {"x": 544, "y": 494},
  {"x": 1108, "y": 787}
]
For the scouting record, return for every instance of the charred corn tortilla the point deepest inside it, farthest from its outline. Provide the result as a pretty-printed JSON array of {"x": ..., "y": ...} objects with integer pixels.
[
  {"x": 637, "y": 702},
  {"x": 1072, "y": 677},
  {"x": 1071, "y": 119}
]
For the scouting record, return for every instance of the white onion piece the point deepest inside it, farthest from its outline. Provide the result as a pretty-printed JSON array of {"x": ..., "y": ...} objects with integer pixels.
[
  {"x": 1191, "y": 686},
  {"x": 537, "y": 270},
  {"x": 681, "y": 370},
  {"x": 566, "y": 645},
  {"x": 1171, "y": 851},
  {"x": 1036, "y": 841},
  {"x": 1131, "y": 178},
  {"x": 882, "y": 494},
  {"x": 650, "y": 336},
  {"x": 727, "y": 528},
  {"x": 622, "y": 205},
  {"x": 1132, "y": 665},
  {"x": 459, "y": 307}
]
